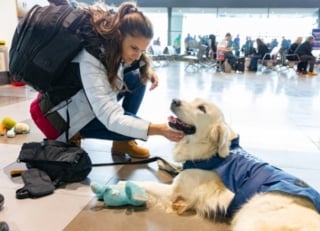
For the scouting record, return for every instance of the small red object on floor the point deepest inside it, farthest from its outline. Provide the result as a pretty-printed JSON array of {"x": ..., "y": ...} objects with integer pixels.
[{"x": 18, "y": 83}]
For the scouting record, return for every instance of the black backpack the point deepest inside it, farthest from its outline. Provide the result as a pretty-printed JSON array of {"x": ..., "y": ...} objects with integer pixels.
[
  {"x": 44, "y": 43},
  {"x": 63, "y": 162},
  {"x": 50, "y": 164}
]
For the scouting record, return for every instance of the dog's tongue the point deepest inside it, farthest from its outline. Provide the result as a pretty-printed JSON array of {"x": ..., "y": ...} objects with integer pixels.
[
  {"x": 172, "y": 119},
  {"x": 178, "y": 124}
]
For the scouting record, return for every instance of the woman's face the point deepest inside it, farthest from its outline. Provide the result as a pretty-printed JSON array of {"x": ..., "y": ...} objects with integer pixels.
[{"x": 133, "y": 47}]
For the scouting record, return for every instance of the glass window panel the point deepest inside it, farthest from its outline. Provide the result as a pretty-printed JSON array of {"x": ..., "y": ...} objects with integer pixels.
[
  {"x": 253, "y": 22},
  {"x": 159, "y": 19},
  {"x": 292, "y": 13},
  {"x": 243, "y": 12}
]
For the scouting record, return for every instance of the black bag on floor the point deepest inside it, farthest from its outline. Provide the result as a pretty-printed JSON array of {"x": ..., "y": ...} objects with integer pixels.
[
  {"x": 37, "y": 183},
  {"x": 240, "y": 64},
  {"x": 51, "y": 163},
  {"x": 62, "y": 162}
]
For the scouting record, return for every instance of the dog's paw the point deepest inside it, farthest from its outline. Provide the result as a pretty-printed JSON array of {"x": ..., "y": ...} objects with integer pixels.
[
  {"x": 179, "y": 205},
  {"x": 172, "y": 168}
]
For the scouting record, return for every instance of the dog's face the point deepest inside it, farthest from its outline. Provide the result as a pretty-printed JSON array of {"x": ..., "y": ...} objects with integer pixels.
[
  {"x": 206, "y": 132},
  {"x": 195, "y": 116}
]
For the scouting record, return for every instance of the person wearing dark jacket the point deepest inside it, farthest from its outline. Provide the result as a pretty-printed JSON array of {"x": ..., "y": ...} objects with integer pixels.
[
  {"x": 304, "y": 50},
  {"x": 291, "y": 56},
  {"x": 259, "y": 53},
  {"x": 213, "y": 45}
]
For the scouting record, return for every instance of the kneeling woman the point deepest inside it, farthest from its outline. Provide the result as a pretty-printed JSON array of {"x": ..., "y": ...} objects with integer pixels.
[{"x": 112, "y": 67}]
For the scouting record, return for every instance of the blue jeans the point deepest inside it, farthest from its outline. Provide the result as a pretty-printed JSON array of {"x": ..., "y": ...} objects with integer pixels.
[
  {"x": 131, "y": 103},
  {"x": 231, "y": 58},
  {"x": 254, "y": 62}
]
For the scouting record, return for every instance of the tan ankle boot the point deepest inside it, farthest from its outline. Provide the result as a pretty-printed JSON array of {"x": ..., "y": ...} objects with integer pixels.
[
  {"x": 76, "y": 139},
  {"x": 131, "y": 148}
]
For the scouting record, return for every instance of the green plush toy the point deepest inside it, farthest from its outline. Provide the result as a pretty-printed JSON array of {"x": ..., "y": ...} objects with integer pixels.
[
  {"x": 7, "y": 123},
  {"x": 123, "y": 193},
  {"x": 10, "y": 127}
]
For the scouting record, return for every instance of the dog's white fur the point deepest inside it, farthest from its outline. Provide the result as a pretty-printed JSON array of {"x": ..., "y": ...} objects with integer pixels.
[{"x": 204, "y": 192}]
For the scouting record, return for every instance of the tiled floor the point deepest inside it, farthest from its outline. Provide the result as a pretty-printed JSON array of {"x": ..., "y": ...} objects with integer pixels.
[{"x": 276, "y": 114}]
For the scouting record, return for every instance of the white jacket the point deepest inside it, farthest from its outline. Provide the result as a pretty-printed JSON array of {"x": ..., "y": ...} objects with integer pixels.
[{"x": 97, "y": 99}]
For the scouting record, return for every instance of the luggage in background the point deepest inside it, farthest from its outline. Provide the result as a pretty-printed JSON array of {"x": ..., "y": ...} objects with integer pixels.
[
  {"x": 240, "y": 64},
  {"x": 227, "y": 66}
]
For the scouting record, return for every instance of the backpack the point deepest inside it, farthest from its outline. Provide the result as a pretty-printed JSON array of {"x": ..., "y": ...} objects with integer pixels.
[
  {"x": 51, "y": 164},
  {"x": 44, "y": 43},
  {"x": 63, "y": 162}
]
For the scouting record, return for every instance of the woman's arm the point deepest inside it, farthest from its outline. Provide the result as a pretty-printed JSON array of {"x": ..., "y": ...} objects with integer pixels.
[{"x": 103, "y": 100}]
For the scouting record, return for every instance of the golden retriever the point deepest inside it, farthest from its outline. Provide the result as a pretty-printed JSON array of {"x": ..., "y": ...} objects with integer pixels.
[{"x": 218, "y": 177}]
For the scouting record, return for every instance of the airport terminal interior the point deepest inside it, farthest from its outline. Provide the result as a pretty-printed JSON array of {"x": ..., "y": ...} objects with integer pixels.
[{"x": 275, "y": 111}]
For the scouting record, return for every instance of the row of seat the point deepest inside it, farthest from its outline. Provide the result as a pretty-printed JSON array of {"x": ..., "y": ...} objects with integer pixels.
[
  {"x": 276, "y": 60},
  {"x": 201, "y": 61},
  {"x": 161, "y": 56}
]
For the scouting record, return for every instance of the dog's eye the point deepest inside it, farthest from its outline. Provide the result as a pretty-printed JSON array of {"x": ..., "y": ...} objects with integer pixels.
[{"x": 202, "y": 108}]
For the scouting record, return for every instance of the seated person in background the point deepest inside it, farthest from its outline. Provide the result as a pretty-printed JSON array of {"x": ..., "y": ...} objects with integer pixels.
[
  {"x": 259, "y": 53},
  {"x": 247, "y": 48},
  {"x": 291, "y": 56},
  {"x": 236, "y": 46},
  {"x": 226, "y": 47},
  {"x": 157, "y": 42},
  {"x": 213, "y": 46},
  {"x": 177, "y": 44},
  {"x": 304, "y": 50},
  {"x": 285, "y": 45},
  {"x": 187, "y": 41}
]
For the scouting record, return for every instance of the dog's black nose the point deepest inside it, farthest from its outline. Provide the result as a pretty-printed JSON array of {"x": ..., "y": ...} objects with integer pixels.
[{"x": 176, "y": 102}]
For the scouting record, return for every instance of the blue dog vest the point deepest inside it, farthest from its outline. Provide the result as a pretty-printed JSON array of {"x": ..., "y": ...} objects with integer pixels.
[{"x": 245, "y": 176}]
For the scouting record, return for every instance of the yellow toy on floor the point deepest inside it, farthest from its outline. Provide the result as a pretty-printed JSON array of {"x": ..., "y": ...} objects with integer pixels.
[{"x": 10, "y": 127}]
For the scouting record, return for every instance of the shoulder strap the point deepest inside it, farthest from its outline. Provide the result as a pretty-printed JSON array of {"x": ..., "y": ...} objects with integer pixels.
[{"x": 25, "y": 23}]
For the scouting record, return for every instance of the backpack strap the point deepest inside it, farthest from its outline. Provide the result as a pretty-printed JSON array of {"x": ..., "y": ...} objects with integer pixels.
[
  {"x": 37, "y": 183},
  {"x": 170, "y": 168},
  {"x": 144, "y": 161}
]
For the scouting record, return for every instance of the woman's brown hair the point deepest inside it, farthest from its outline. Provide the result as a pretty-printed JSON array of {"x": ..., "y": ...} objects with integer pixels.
[{"x": 112, "y": 27}]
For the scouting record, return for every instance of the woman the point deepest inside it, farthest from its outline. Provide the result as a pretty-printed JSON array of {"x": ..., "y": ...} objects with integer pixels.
[
  {"x": 259, "y": 53},
  {"x": 112, "y": 67},
  {"x": 213, "y": 46}
]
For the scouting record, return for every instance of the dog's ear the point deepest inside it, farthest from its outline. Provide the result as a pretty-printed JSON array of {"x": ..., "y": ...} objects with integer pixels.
[{"x": 220, "y": 136}]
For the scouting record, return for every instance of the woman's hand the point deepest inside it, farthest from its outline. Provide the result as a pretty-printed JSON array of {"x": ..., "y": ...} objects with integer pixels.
[
  {"x": 154, "y": 79},
  {"x": 166, "y": 131},
  {"x": 173, "y": 135}
]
